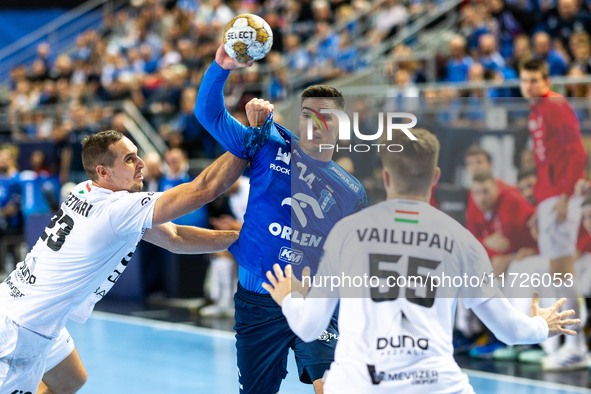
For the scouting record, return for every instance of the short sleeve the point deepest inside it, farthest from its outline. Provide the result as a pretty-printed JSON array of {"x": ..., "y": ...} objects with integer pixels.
[
  {"x": 476, "y": 264},
  {"x": 133, "y": 212}
]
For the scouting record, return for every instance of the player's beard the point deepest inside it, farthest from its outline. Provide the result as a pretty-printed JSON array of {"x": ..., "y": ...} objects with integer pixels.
[{"x": 137, "y": 187}]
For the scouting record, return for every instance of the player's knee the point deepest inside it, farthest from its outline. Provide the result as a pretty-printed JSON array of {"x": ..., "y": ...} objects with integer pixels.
[
  {"x": 81, "y": 381},
  {"x": 318, "y": 386},
  {"x": 74, "y": 383}
]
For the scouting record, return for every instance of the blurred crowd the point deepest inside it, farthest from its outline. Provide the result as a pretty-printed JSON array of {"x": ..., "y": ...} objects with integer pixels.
[
  {"x": 495, "y": 36},
  {"x": 155, "y": 53}
]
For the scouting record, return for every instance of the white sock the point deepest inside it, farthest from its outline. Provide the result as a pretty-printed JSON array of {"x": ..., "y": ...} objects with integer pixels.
[
  {"x": 214, "y": 282},
  {"x": 223, "y": 286},
  {"x": 226, "y": 280}
]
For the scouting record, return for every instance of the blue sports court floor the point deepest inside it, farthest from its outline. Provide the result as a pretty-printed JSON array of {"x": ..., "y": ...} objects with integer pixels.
[{"x": 125, "y": 354}]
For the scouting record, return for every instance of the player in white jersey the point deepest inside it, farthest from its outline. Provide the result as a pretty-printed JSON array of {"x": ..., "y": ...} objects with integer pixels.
[
  {"x": 84, "y": 248},
  {"x": 399, "y": 338}
]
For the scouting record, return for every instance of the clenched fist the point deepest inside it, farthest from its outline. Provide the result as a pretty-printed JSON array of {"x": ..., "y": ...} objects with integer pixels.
[{"x": 257, "y": 111}]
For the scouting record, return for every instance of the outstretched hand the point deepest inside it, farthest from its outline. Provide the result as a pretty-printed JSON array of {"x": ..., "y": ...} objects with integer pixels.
[
  {"x": 556, "y": 320},
  {"x": 226, "y": 62},
  {"x": 281, "y": 285}
]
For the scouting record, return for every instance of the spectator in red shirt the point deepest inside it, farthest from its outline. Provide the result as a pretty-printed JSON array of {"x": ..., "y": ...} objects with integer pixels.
[
  {"x": 478, "y": 161},
  {"x": 526, "y": 179},
  {"x": 560, "y": 160},
  {"x": 498, "y": 219}
]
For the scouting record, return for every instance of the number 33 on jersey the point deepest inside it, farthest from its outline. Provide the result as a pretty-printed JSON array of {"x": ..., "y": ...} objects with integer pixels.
[{"x": 86, "y": 240}]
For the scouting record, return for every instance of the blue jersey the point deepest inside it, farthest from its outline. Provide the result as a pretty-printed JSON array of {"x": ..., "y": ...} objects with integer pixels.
[
  {"x": 36, "y": 190},
  {"x": 457, "y": 70},
  {"x": 10, "y": 193},
  {"x": 284, "y": 182}
]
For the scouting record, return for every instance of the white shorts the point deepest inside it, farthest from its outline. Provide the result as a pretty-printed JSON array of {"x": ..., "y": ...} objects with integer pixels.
[
  {"x": 61, "y": 348},
  {"x": 434, "y": 377},
  {"x": 557, "y": 240},
  {"x": 22, "y": 357}
]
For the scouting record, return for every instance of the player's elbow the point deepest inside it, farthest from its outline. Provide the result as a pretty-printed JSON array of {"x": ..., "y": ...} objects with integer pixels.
[
  {"x": 514, "y": 341},
  {"x": 198, "y": 113},
  {"x": 176, "y": 247},
  {"x": 212, "y": 191},
  {"x": 507, "y": 340},
  {"x": 205, "y": 190},
  {"x": 202, "y": 112},
  {"x": 173, "y": 242},
  {"x": 510, "y": 337}
]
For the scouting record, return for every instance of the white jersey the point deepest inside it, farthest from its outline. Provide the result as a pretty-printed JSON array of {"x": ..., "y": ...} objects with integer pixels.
[
  {"x": 239, "y": 200},
  {"x": 82, "y": 313},
  {"x": 402, "y": 336},
  {"x": 94, "y": 232}
]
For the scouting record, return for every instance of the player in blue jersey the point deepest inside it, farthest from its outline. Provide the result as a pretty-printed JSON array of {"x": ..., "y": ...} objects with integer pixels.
[
  {"x": 10, "y": 192},
  {"x": 289, "y": 176}
]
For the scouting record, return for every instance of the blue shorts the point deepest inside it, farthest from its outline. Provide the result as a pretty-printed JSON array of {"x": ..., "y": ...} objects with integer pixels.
[{"x": 263, "y": 340}]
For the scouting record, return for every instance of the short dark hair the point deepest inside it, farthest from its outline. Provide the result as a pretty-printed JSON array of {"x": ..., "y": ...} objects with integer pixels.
[
  {"x": 413, "y": 167},
  {"x": 324, "y": 91},
  {"x": 95, "y": 151},
  {"x": 536, "y": 65},
  {"x": 526, "y": 172},
  {"x": 475, "y": 150},
  {"x": 482, "y": 177}
]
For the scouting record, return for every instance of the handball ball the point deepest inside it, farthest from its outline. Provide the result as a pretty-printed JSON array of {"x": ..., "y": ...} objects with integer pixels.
[{"x": 247, "y": 37}]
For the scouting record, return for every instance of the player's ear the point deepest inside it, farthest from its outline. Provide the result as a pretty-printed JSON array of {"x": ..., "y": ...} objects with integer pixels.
[
  {"x": 386, "y": 178},
  {"x": 436, "y": 176},
  {"x": 103, "y": 172}
]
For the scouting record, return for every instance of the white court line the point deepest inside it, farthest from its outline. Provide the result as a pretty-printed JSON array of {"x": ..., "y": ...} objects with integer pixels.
[
  {"x": 530, "y": 382},
  {"x": 160, "y": 325},
  {"x": 212, "y": 332}
]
